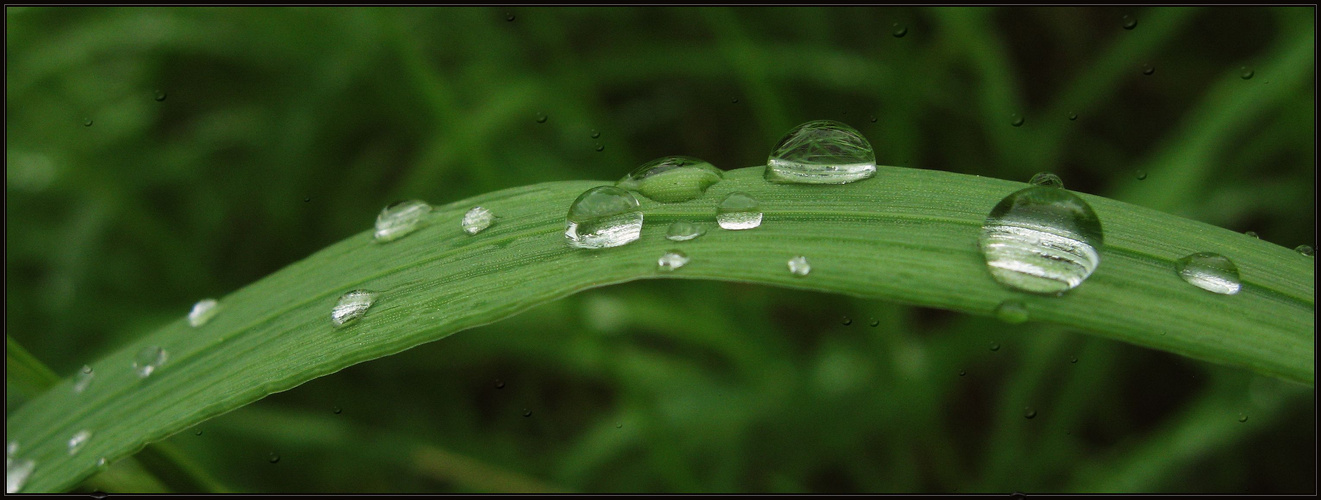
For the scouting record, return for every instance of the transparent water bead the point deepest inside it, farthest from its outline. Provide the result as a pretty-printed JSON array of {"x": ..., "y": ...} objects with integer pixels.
[
  {"x": 672, "y": 179},
  {"x": 683, "y": 231},
  {"x": 672, "y": 260},
  {"x": 1041, "y": 240},
  {"x": 148, "y": 360},
  {"x": 799, "y": 266},
  {"x": 82, "y": 379},
  {"x": 1305, "y": 250},
  {"x": 821, "y": 152},
  {"x": 399, "y": 219},
  {"x": 738, "y": 211},
  {"x": 477, "y": 220},
  {"x": 603, "y": 217},
  {"x": 202, "y": 312},
  {"x": 16, "y": 474},
  {"x": 1012, "y": 311},
  {"x": 351, "y": 306},
  {"x": 1046, "y": 179},
  {"x": 78, "y": 441},
  {"x": 1209, "y": 271}
]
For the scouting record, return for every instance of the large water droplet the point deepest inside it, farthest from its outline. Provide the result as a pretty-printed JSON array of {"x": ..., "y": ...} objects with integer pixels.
[
  {"x": 596, "y": 134},
  {"x": 672, "y": 179},
  {"x": 672, "y": 260},
  {"x": 799, "y": 266},
  {"x": 738, "y": 211},
  {"x": 1046, "y": 179},
  {"x": 82, "y": 379},
  {"x": 351, "y": 306},
  {"x": 1129, "y": 22},
  {"x": 202, "y": 312},
  {"x": 821, "y": 152},
  {"x": 1242, "y": 417},
  {"x": 1011, "y": 311},
  {"x": 603, "y": 217},
  {"x": 78, "y": 441},
  {"x": 16, "y": 474},
  {"x": 898, "y": 30},
  {"x": 399, "y": 219},
  {"x": 1305, "y": 250},
  {"x": 683, "y": 231},
  {"x": 1042, "y": 240},
  {"x": 148, "y": 360},
  {"x": 1246, "y": 73},
  {"x": 1209, "y": 271},
  {"x": 477, "y": 220}
]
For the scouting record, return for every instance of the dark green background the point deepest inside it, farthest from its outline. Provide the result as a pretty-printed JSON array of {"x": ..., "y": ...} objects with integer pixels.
[{"x": 283, "y": 130}]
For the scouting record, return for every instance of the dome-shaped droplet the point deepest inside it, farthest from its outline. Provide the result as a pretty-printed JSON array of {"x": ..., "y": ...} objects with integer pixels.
[
  {"x": 799, "y": 266},
  {"x": 1252, "y": 234},
  {"x": 399, "y": 219},
  {"x": 603, "y": 217},
  {"x": 1129, "y": 22},
  {"x": 846, "y": 321},
  {"x": 672, "y": 260},
  {"x": 542, "y": 117},
  {"x": 1029, "y": 413},
  {"x": 16, "y": 474},
  {"x": 596, "y": 134},
  {"x": 963, "y": 372},
  {"x": 160, "y": 96},
  {"x": 1042, "y": 240},
  {"x": 477, "y": 220},
  {"x": 683, "y": 230},
  {"x": 599, "y": 147},
  {"x": 1305, "y": 250},
  {"x": 874, "y": 322},
  {"x": 1148, "y": 69},
  {"x": 1242, "y": 417},
  {"x": 351, "y": 306},
  {"x": 821, "y": 152},
  {"x": 1012, "y": 311},
  {"x": 1046, "y": 179},
  {"x": 82, "y": 379},
  {"x": 510, "y": 17},
  {"x": 995, "y": 346},
  {"x": 78, "y": 441},
  {"x": 898, "y": 30},
  {"x": 1140, "y": 174},
  {"x": 87, "y": 122},
  {"x": 1209, "y": 271},
  {"x": 1073, "y": 116},
  {"x": 273, "y": 458},
  {"x": 148, "y": 360},
  {"x": 1016, "y": 120},
  {"x": 738, "y": 211},
  {"x": 672, "y": 179},
  {"x": 1246, "y": 73},
  {"x": 202, "y": 312}
]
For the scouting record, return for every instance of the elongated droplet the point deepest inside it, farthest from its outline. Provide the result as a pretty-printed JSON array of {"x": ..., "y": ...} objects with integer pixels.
[
  {"x": 672, "y": 179},
  {"x": 82, "y": 379},
  {"x": 1046, "y": 179},
  {"x": 738, "y": 211},
  {"x": 1012, "y": 311},
  {"x": 351, "y": 306},
  {"x": 148, "y": 360},
  {"x": 1209, "y": 271},
  {"x": 399, "y": 219},
  {"x": 16, "y": 474},
  {"x": 202, "y": 312},
  {"x": 683, "y": 231},
  {"x": 477, "y": 220},
  {"x": 1305, "y": 250},
  {"x": 799, "y": 266},
  {"x": 821, "y": 152},
  {"x": 1042, "y": 240},
  {"x": 78, "y": 441},
  {"x": 603, "y": 217},
  {"x": 672, "y": 260}
]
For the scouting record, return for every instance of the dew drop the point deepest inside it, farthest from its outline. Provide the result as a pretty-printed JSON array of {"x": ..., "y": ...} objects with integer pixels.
[
  {"x": 337, "y": 410},
  {"x": 541, "y": 118},
  {"x": 595, "y": 134},
  {"x": 1209, "y": 271},
  {"x": 1129, "y": 21},
  {"x": 1041, "y": 240},
  {"x": 202, "y": 312},
  {"x": 527, "y": 412},
  {"x": 1305, "y": 250},
  {"x": 399, "y": 219},
  {"x": 734, "y": 100},
  {"x": 82, "y": 379},
  {"x": 499, "y": 384},
  {"x": 148, "y": 360},
  {"x": 273, "y": 458},
  {"x": 16, "y": 474},
  {"x": 510, "y": 17},
  {"x": 1029, "y": 413},
  {"x": 197, "y": 432},
  {"x": 101, "y": 462},
  {"x": 683, "y": 231},
  {"x": 1246, "y": 73},
  {"x": 1148, "y": 69},
  {"x": 477, "y": 220},
  {"x": 672, "y": 179},
  {"x": 738, "y": 211},
  {"x": 672, "y": 260},
  {"x": 1242, "y": 417},
  {"x": 78, "y": 441},
  {"x": 875, "y": 322},
  {"x": 1140, "y": 174},
  {"x": 899, "y": 30},
  {"x": 995, "y": 346},
  {"x": 160, "y": 96},
  {"x": 351, "y": 306},
  {"x": 963, "y": 372},
  {"x": 1253, "y": 234},
  {"x": 872, "y": 118},
  {"x": 603, "y": 217},
  {"x": 1016, "y": 120},
  {"x": 1046, "y": 179},
  {"x": 599, "y": 147},
  {"x": 1012, "y": 311},
  {"x": 87, "y": 122},
  {"x": 846, "y": 321},
  {"x": 799, "y": 266},
  {"x": 619, "y": 425},
  {"x": 1073, "y": 116},
  {"x": 821, "y": 152}
]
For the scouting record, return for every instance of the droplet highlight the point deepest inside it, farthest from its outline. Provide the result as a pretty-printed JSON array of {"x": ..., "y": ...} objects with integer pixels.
[
  {"x": 202, "y": 312},
  {"x": 671, "y": 260},
  {"x": 1252, "y": 234},
  {"x": 1073, "y": 116},
  {"x": 400, "y": 219},
  {"x": 82, "y": 379},
  {"x": 672, "y": 179},
  {"x": 1046, "y": 179},
  {"x": 148, "y": 360},
  {"x": 738, "y": 211},
  {"x": 351, "y": 306},
  {"x": 683, "y": 231},
  {"x": 799, "y": 266},
  {"x": 1242, "y": 417},
  {"x": 603, "y": 217},
  {"x": 160, "y": 96},
  {"x": 1042, "y": 240},
  {"x": 1012, "y": 311},
  {"x": 821, "y": 152},
  {"x": 477, "y": 220},
  {"x": 1209, "y": 271},
  {"x": 846, "y": 321},
  {"x": 78, "y": 441}
]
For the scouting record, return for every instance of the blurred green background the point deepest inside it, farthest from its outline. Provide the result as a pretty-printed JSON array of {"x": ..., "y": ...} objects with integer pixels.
[{"x": 158, "y": 156}]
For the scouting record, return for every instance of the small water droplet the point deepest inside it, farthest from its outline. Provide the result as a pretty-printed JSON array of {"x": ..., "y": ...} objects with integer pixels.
[
  {"x": 821, "y": 152},
  {"x": 672, "y": 260},
  {"x": 1012, "y": 311},
  {"x": 738, "y": 211},
  {"x": 541, "y": 118},
  {"x": 477, "y": 220},
  {"x": 337, "y": 410},
  {"x": 1253, "y": 234},
  {"x": 1029, "y": 413},
  {"x": 307, "y": 199},
  {"x": 799, "y": 266},
  {"x": 82, "y": 379},
  {"x": 101, "y": 462},
  {"x": 995, "y": 346},
  {"x": 1046, "y": 179},
  {"x": 351, "y": 306},
  {"x": 1209, "y": 271},
  {"x": 1140, "y": 174},
  {"x": 672, "y": 179},
  {"x": 1242, "y": 417},
  {"x": 872, "y": 118},
  {"x": 874, "y": 322},
  {"x": 1246, "y": 73},
  {"x": 963, "y": 372},
  {"x": 16, "y": 474},
  {"x": 899, "y": 30},
  {"x": 1073, "y": 116},
  {"x": 683, "y": 231},
  {"x": 87, "y": 122},
  {"x": 78, "y": 441},
  {"x": 599, "y": 147},
  {"x": 148, "y": 360},
  {"x": 197, "y": 432},
  {"x": 273, "y": 458},
  {"x": 202, "y": 312},
  {"x": 603, "y": 217},
  {"x": 160, "y": 96},
  {"x": 846, "y": 321},
  {"x": 499, "y": 384},
  {"x": 1129, "y": 21},
  {"x": 399, "y": 219},
  {"x": 509, "y": 16},
  {"x": 595, "y": 134},
  {"x": 1305, "y": 250},
  {"x": 1148, "y": 69},
  {"x": 619, "y": 426},
  {"x": 1042, "y": 240},
  {"x": 1073, "y": 359},
  {"x": 734, "y": 100},
  {"x": 527, "y": 412},
  {"x": 1016, "y": 120}
]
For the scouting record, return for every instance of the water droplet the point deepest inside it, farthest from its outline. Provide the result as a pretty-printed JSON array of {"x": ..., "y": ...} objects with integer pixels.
[
  {"x": 477, "y": 220},
  {"x": 872, "y": 118},
  {"x": 734, "y": 100},
  {"x": 599, "y": 147},
  {"x": 1148, "y": 69},
  {"x": 1253, "y": 234},
  {"x": 202, "y": 312},
  {"x": 619, "y": 426},
  {"x": 603, "y": 217},
  {"x": 160, "y": 96},
  {"x": 1042, "y": 240},
  {"x": 1209, "y": 271},
  {"x": 963, "y": 372},
  {"x": 101, "y": 463},
  {"x": 683, "y": 231},
  {"x": 1029, "y": 413},
  {"x": 399, "y": 219},
  {"x": 148, "y": 360},
  {"x": 307, "y": 199},
  {"x": 351, "y": 306},
  {"x": 87, "y": 122},
  {"x": 541, "y": 118},
  {"x": 672, "y": 260},
  {"x": 78, "y": 441},
  {"x": 1016, "y": 120},
  {"x": 738, "y": 211},
  {"x": 16, "y": 474},
  {"x": 273, "y": 458},
  {"x": 1129, "y": 21},
  {"x": 595, "y": 134},
  {"x": 672, "y": 179},
  {"x": 527, "y": 412},
  {"x": 1242, "y": 417},
  {"x": 197, "y": 432},
  {"x": 509, "y": 16},
  {"x": 499, "y": 384},
  {"x": 1011, "y": 311},
  {"x": 821, "y": 152},
  {"x": 875, "y": 322},
  {"x": 1073, "y": 359},
  {"x": 995, "y": 346},
  {"x": 1140, "y": 174},
  {"x": 1073, "y": 116},
  {"x": 337, "y": 410},
  {"x": 1246, "y": 73},
  {"x": 1046, "y": 179},
  {"x": 846, "y": 321},
  {"x": 799, "y": 266},
  {"x": 1305, "y": 250},
  {"x": 899, "y": 30},
  {"x": 82, "y": 379}
]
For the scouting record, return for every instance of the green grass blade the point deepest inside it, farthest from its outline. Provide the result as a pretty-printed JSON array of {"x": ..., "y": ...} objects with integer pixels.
[{"x": 908, "y": 235}]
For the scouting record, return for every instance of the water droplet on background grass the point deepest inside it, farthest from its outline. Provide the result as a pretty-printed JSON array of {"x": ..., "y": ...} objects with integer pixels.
[
  {"x": 1140, "y": 174},
  {"x": 148, "y": 360},
  {"x": 1073, "y": 116},
  {"x": 1246, "y": 73},
  {"x": 799, "y": 266},
  {"x": 1209, "y": 271},
  {"x": 603, "y": 217},
  {"x": 1148, "y": 69},
  {"x": 1012, "y": 311},
  {"x": 1242, "y": 417},
  {"x": 400, "y": 219},
  {"x": 202, "y": 312},
  {"x": 351, "y": 306},
  {"x": 541, "y": 118},
  {"x": 1252, "y": 234},
  {"x": 510, "y": 17},
  {"x": 683, "y": 231},
  {"x": 738, "y": 211},
  {"x": 1046, "y": 179},
  {"x": 874, "y": 322},
  {"x": 1128, "y": 21},
  {"x": 672, "y": 260},
  {"x": 87, "y": 122},
  {"x": 82, "y": 379},
  {"x": 78, "y": 441},
  {"x": 821, "y": 152},
  {"x": 995, "y": 346},
  {"x": 1305, "y": 250},
  {"x": 672, "y": 179},
  {"x": 1042, "y": 240},
  {"x": 476, "y": 220},
  {"x": 160, "y": 96},
  {"x": 846, "y": 321},
  {"x": 1017, "y": 120},
  {"x": 1029, "y": 413},
  {"x": 898, "y": 30},
  {"x": 273, "y": 458}
]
